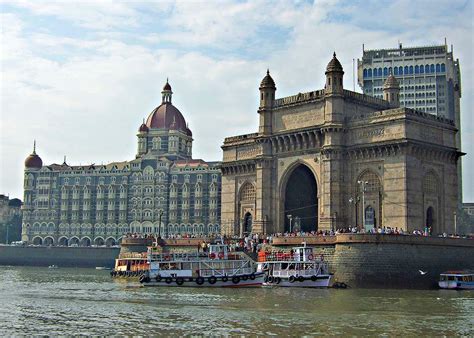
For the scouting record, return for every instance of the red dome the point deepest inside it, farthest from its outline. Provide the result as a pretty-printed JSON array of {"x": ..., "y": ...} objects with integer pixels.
[
  {"x": 167, "y": 116},
  {"x": 33, "y": 161}
]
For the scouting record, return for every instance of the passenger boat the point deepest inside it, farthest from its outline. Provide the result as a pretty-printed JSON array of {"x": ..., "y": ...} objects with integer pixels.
[
  {"x": 216, "y": 268},
  {"x": 297, "y": 267},
  {"x": 130, "y": 265},
  {"x": 456, "y": 280}
]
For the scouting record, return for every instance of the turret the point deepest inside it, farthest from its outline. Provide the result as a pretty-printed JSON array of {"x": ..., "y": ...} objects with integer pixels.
[
  {"x": 166, "y": 93},
  {"x": 334, "y": 77},
  {"x": 142, "y": 139},
  {"x": 267, "y": 98},
  {"x": 391, "y": 91}
]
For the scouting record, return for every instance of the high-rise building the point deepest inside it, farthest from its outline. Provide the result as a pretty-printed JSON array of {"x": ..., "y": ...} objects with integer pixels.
[
  {"x": 429, "y": 78},
  {"x": 162, "y": 191}
]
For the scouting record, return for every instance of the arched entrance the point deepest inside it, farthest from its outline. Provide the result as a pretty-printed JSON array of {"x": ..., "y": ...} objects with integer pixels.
[
  {"x": 370, "y": 220},
  {"x": 74, "y": 241},
  {"x": 99, "y": 241},
  {"x": 301, "y": 201},
  {"x": 429, "y": 217},
  {"x": 49, "y": 241},
  {"x": 86, "y": 241},
  {"x": 63, "y": 241},
  {"x": 247, "y": 223},
  {"x": 110, "y": 242},
  {"x": 37, "y": 241}
]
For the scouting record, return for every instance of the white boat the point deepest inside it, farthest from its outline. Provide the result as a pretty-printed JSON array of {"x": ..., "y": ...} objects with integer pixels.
[
  {"x": 456, "y": 280},
  {"x": 216, "y": 268},
  {"x": 297, "y": 267},
  {"x": 52, "y": 267}
]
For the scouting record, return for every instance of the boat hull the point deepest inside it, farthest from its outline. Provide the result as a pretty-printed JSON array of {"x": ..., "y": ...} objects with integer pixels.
[
  {"x": 455, "y": 285},
  {"x": 320, "y": 282},
  {"x": 242, "y": 281}
]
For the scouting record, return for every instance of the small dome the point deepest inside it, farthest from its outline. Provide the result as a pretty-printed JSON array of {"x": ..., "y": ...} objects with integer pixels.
[
  {"x": 391, "y": 82},
  {"x": 167, "y": 86},
  {"x": 33, "y": 161},
  {"x": 143, "y": 128},
  {"x": 334, "y": 65},
  {"x": 267, "y": 81}
]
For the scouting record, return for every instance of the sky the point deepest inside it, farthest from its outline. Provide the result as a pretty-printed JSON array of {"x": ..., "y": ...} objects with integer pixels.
[{"x": 79, "y": 76}]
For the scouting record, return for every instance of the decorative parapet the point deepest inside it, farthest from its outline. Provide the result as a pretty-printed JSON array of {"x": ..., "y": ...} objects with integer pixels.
[
  {"x": 240, "y": 138},
  {"x": 366, "y": 99},
  {"x": 299, "y": 98}
]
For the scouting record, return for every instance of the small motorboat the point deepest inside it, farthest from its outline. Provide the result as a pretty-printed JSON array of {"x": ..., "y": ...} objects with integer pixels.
[
  {"x": 53, "y": 266},
  {"x": 102, "y": 268}
]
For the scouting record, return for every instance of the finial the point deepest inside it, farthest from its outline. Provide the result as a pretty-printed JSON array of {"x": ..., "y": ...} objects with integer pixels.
[
  {"x": 34, "y": 147},
  {"x": 64, "y": 159},
  {"x": 166, "y": 79},
  {"x": 143, "y": 120},
  {"x": 334, "y": 54},
  {"x": 268, "y": 71}
]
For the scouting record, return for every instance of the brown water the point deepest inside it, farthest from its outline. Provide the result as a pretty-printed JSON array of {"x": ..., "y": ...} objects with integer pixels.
[{"x": 87, "y": 301}]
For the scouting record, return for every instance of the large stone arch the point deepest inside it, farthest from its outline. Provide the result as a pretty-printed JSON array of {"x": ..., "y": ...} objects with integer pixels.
[
  {"x": 86, "y": 241},
  {"x": 74, "y": 241},
  {"x": 110, "y": 242},
  {"x": 299, "y": 197}
]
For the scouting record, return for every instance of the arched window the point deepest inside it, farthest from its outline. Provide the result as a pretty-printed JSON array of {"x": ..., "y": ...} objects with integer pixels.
[
  {"x": 373, "y": 182},
  {"x": 432, "y": 68},
  {"x": 247, "y": 193},
  {"x": 417, "y": 69},
  {"x": 395, "y": 71},
  {"x": 405, "y": 70},
  {"x": 365, "y": 73},
  {"x": 400, "y": 70},
  {"x": 389, "y": 70},
  {"x": 385, "y": 71},
  {"x": 370, "y": 72},
  {"x": 422, "y": 69},
  {"x": 443, "y": 67},
  {"x": 427, "y": 68},
  {"x": 430, "y": 184},
  {"x": 380, "y": 72},
  {"x": 438, "y": 68},
  {"x": 410, "y": 70}
]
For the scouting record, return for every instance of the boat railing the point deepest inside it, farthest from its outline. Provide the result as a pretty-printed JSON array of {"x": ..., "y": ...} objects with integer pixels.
[
  {"x": 186, "y": 257},
  {"x": 225, "y": 272},
  {"x": 286, "y": 257}
]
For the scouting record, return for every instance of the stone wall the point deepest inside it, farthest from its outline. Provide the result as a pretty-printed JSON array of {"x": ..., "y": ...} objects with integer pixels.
[{"x": 60, "y": 256}]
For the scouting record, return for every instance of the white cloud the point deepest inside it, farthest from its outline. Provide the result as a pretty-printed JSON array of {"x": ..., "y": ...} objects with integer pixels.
[{"x": 86, "y": 95}]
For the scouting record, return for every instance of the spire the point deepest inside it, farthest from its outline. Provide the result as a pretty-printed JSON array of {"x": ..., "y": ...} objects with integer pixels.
[
  {"x": 166, "y": 92},
  {"x": 34, "y": 147},
  {"x": 64, "y": 163}
]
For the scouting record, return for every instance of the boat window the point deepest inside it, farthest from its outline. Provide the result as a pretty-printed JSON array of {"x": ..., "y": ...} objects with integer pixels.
[
  {"x": 451, "y": 278},
  {"x": 284, "y": 266},
  {"x": 443, "y": 278}
]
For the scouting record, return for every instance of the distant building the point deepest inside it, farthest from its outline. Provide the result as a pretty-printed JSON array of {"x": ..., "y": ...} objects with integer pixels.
[
  {"x": 97, "y": 204},
  {"x": 468, "y": 209},
  {"x": 429, "y": 78},
  {"x": 332, "y": 158},
  {"x": 9, "y": 208}
]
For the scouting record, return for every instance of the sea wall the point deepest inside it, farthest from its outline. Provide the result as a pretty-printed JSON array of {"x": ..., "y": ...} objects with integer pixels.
[
  {"x": 60, "y": 256},
  {"x": 388, "y": 260}
]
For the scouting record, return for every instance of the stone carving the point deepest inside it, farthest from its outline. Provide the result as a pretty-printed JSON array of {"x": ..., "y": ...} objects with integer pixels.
[{"x": 248, "y": 152}]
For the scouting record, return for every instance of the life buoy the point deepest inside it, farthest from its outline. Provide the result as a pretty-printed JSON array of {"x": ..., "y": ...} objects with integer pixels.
[
  {"x": 314, "y": 278},
  {"x": 212, "y": 255},
  {"x": 221, "y": 255},
  {"x": 235, "y": 279},
  {"x": 270, "y": 279},
  {"x": 245, "y": 277},
  {"x": 301, "y": 279},
  {"x": 179, "y": 281},
  {"x": 168, "y": 280},
  {"x": 310, "y": 257},
  {"x": 277, "y": 280},
  {"x": 199, "y": 281},
  {"x": 291, "y": 279},
  {"x": 158, "y": 278},
  {"x": 225, "y": 279},
  {"x": 252, "y": 276},
  {"x": 212, "y": 280}
]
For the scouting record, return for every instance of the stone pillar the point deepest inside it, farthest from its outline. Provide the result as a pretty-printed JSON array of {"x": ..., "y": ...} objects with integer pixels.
[{"x": 264, "y": 187}]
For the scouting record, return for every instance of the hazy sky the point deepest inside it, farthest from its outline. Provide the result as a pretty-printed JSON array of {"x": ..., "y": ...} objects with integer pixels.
[{"x": 79, "y": 77}]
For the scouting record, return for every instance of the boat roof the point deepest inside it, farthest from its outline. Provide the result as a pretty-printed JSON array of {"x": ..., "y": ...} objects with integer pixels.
[{"x": 458, "y": 272}]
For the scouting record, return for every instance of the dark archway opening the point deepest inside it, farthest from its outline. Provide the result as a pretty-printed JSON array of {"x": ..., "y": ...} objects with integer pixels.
[
  {"x": 247, "y": 223},
  {"x": 429, "y": 217},
  {"x": 301, "y": 201}
]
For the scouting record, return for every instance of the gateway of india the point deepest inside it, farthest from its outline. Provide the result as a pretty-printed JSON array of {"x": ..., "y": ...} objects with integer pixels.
[
  {"x": 162, "y": 191},
  {"x": 334, "y": 158}
]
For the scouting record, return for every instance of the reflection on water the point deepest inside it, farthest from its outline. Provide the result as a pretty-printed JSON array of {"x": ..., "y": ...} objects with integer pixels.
[{"x": 88, "y": 301}]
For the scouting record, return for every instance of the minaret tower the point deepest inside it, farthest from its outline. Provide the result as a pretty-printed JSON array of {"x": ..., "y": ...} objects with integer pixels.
[
  {"x": 334, "y": 77},
  {"x": 166, "y": 93},
  {"x": 267, "y": 98},
  {"x": 391, "y": 91}
]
